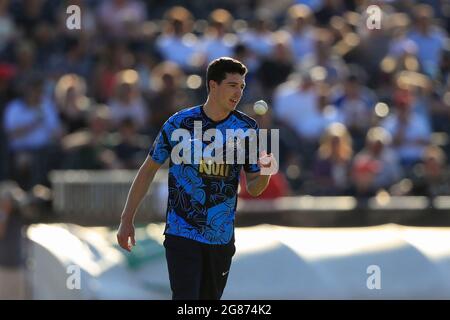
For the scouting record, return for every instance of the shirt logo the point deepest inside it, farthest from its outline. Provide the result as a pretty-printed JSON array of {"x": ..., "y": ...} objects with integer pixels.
[{"x": 210, "y": 168}]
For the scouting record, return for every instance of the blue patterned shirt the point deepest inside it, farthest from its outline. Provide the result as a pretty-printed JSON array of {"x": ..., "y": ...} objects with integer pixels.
[{"x": 203, "y": 196}]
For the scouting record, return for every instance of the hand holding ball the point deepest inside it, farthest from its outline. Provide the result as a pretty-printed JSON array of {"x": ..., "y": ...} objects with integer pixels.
[
  {"x": 265, "y": 160},
  {"x": 268, "y": 164}
]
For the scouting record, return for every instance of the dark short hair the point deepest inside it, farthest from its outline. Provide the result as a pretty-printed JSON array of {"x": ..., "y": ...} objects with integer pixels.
[{"x": 218, "y": 69}]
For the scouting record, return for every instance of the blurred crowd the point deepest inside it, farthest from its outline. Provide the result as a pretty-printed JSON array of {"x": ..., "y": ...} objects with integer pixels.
[{"x": 360, "y": 110}]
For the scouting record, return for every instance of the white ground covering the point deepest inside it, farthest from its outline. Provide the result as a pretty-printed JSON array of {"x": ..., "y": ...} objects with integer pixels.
[{"x": 271, "y": 262}]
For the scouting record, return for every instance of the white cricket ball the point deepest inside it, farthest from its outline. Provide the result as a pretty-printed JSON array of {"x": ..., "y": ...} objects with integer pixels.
[{"x": 260, "y": 107}]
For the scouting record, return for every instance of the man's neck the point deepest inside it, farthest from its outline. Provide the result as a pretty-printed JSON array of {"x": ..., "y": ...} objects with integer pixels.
[
  {"x": 424, "y": 31},
  {"x": 213, "y": 112}
]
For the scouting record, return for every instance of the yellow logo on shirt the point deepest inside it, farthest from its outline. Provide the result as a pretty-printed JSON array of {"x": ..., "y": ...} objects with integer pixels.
[{"x": 211, "y": 168}]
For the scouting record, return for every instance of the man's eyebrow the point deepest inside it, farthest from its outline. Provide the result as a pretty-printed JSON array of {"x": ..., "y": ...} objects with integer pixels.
[{"x": 234, "y": 82}]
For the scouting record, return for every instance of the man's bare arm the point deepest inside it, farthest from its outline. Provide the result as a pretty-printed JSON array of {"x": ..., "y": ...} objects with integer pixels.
[
  {"x": 256, "y": 183},
  {"x": 137, "y": 192}
]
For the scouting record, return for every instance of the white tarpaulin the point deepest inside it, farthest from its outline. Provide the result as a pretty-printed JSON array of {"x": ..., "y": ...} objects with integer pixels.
[{"x": 271, "y": 262}]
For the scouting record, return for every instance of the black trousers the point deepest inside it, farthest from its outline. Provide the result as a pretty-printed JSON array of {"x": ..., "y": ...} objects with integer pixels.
[{"x": 197, "y": 271}]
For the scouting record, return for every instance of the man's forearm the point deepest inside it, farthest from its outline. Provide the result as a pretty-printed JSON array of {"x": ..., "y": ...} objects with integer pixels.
[
  {"x": 24, "y": 130},
  {"x": 258, "y": 185},
  {"x": 137, "y": 192}
]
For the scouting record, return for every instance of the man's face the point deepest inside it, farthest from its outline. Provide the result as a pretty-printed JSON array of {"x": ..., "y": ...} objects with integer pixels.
[
  {"x": 229, "y": 92},
  {"x": 33, "y": 96}
]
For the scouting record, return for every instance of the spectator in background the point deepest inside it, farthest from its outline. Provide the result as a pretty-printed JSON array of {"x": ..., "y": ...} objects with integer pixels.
[
  {"x": 168, "y": 95},
  {"x": 258, "y": 38},
  {"x": 33, "y": 128},
  {"x": 323, "y": 62},
  {"x": 24, "y": 60},
  {"x": 376, "y": 166},
  {"x": 91, "y": 148},
  {"x": 12, "y": 273},
  {"x": 129, "y": 146},
  {"x": 217, "y": 41},
  {"x": 429, "y": 38},
  {"x": 47, "y": 44},
  {"x": 363, "y": 175},
  {"x": 432, "y": 176},
  {"x": 275, "y": 68},
  {"x": 331, "y": 169},
  {"x": 242, "y": 53},
  {"x": 410, "y": 131},
  {"x": 112, "y": 58},
  {"x": 177, "y": 43},
  {"x": 75, "y": 58},
  {"x": 302, "y": 31},
  {"x": 355, "y": 104},
  {"x": 370, "y": 45},
  {"x": 29, "y": 14},
  {"x": 301, "y": 105},
  {"x": 417, "y": 86},
  {"x": 402, "y": 55},
  {"x": 401, "y": 47},
  {"x": 72, "y": 102},
  {"x": 328, "y": 10},
  {"x": 119, "y": 18},
  {"x": 127, "y": 102},
  {"x": 146, "y": 60}
]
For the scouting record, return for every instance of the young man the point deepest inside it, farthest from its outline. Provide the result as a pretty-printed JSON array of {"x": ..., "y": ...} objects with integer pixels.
[{"x": 199, "y": 233}]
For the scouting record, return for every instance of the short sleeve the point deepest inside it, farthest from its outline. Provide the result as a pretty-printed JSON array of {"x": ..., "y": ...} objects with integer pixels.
[
  {"x": 162, "y": 147},
  {"x": 249, "y": 165}
]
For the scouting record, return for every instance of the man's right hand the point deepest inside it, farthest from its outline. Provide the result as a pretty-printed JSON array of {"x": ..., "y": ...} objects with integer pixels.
[
  {"x": 125, "y": 232},
  {"x": 138, "y": 190}
]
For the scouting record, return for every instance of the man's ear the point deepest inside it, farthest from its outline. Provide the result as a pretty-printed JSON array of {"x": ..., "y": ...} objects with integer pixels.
[{"x": 212, "y": 84}]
